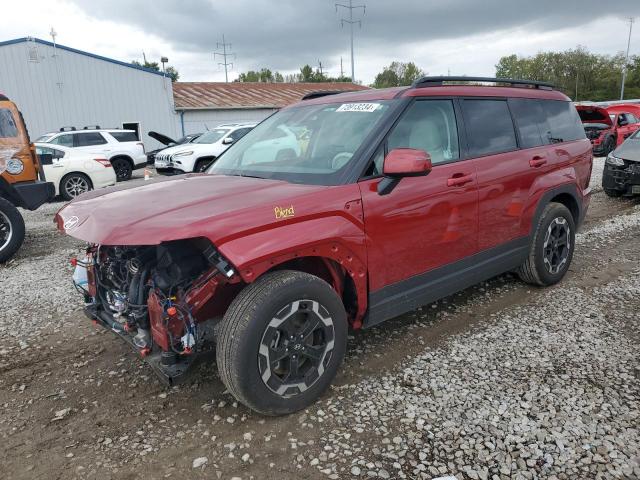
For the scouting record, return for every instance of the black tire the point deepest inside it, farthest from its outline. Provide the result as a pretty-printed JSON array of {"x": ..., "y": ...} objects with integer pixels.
[
  {"x": 609, "y": 145},
  {"x": 542, "y": 267},
  {"x": 11, "y": 230},
  {"x": 202, "y": 164},
  {"x": 74, "y": 184},
  {"x": 258, "y": 323},
  {"x": 123, "y": 169},
  {"x": 612, "y": 193}
]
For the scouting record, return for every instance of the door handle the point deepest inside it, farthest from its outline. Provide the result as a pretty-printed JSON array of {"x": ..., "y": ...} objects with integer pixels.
[
  {"x": 537, "y": 161},
  {"x": 459, "y": 179}
]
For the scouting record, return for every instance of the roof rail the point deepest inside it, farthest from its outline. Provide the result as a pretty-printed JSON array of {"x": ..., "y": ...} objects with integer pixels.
[
  {"x": 439, "y": 81},
  {"x": 91, "y": 127},
  {"x": 321, "y": 93},
  {"x": 67, "y": 129}
]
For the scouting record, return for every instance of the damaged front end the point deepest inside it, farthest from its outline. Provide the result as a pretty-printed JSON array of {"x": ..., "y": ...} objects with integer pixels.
[{"x": 164, "y": 300}]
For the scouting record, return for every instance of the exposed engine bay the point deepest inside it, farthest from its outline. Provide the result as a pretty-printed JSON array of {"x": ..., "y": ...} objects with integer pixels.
[{"x": 158, "y": 297}]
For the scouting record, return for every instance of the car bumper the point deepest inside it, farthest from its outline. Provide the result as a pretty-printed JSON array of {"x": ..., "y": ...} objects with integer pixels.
[
  {"x": 140, "y": 161},
  {"x": 169, "y": 171},
  {"x": 625, "y": 180},
  {"x": 31, "y": 195},
  {"x": 104, "y": 178}
]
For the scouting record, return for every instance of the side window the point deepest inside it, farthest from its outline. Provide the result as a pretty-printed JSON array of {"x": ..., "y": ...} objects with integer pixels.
[
  {"x": 238, "y": 134},
  {"x": 89, "y": 139},
  {"x": 375, "y": 168},
  {"x": 8, "y": 127},
  {"x": 428, "y": 125},
  {"x": 632, "y": 118},
  {"x": 64, "y": 140},
  {"x": 531, "y": 122},
  {"x": 57, "y": 153},
  {"x": 489, "y": 127},
  {"x": 564, "y": 121},
  {"x": 124, "y": 136}
]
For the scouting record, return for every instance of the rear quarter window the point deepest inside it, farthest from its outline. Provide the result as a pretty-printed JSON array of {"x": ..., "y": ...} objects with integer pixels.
[
  {"x": 124, "y": 136},
  {"x": 489, "y": 127},
  {"x": 8, "y": 127},
  {"x": 531, "y": 121},
  {"x": 563, "y": 120}
]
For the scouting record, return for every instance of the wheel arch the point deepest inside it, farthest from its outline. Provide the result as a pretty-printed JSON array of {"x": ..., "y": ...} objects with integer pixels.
[
  {"x": 122, "y": 156},
  {"x": 566, "y": 195}
]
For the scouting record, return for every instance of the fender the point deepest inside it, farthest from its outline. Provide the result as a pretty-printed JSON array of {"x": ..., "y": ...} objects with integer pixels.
[
  {"x": 333, "y": 237},
  {"x": 547, "y": 187}
]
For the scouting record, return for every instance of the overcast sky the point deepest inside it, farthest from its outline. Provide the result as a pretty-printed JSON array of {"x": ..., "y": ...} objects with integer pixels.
[{"x": 456, "y": 36}]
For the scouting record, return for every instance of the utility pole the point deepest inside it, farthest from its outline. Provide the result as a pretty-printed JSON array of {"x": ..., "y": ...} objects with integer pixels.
[
  {"x": 351, "y": 7},
  {"x": 626, "y": 60},
  {"x": 224, "y": 56},
  {"x": 320, "y": 67},
  {"x": 342, "y": 69}
]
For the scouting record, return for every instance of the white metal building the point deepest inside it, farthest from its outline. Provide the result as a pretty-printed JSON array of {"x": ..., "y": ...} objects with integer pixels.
[
  {"x": 56, "y": 86},
  {"x": 204, "y": 105}
]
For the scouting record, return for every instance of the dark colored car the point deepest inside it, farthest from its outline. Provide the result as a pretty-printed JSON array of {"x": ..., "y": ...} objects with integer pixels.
[
  {"x": 398, "y": 197},
  {"x": 168, "y": 142},
  {"x": 621, "y": 174},
  {"x": 608, "y": 127}
]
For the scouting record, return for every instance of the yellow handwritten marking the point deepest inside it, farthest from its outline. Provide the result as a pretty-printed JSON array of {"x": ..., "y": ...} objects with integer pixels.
[{"x": 284, "y": 212}]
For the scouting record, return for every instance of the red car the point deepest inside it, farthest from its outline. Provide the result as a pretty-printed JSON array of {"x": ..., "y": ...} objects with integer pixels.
[
  {"x": 608, "y": 127},
  {"x": 393, "y": 199}
]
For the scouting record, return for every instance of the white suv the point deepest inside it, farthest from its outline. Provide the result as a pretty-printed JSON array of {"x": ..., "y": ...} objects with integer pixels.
[
  {"x": 199, "y": 154},
  {"x": 121, "y": 147}
]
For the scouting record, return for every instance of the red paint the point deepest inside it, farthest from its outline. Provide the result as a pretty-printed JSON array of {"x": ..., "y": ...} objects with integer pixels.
[{"x": 603, "y": 114}]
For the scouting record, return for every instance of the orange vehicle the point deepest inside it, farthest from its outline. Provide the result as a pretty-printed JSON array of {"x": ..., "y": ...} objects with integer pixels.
[{"x": 22, "y": 182}]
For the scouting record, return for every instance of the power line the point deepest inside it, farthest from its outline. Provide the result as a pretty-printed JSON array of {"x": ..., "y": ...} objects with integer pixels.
[
  {"x": 351, "y": 7},
  {"x": 224, "y": 56},
  {"x": 626, "y": 60}
]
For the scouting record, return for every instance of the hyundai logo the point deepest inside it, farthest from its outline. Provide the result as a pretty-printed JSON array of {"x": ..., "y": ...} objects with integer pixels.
[{"x": 71, "y": 222}]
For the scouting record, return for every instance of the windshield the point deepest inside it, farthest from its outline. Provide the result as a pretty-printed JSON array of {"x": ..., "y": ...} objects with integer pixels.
[
  {"x": 8, "y": 127},
  {"x": 212, "y": 136},
  {"x": 309, "y": 144},
  {"x": 45, "y": 138}
]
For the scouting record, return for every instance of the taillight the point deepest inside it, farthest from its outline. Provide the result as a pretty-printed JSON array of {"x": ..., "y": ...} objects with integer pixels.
[
  {"x": 103, "y": 161},
  {"x": 142, "y": 145}
]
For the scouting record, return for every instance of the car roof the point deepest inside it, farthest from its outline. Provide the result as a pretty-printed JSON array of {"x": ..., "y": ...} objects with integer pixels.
[
  {"x": 438, "y": 90},
  {"x": 81, "y": 130}
]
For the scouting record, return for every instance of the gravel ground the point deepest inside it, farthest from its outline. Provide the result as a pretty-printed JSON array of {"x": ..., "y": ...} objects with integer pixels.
[{"x": 501, "y": 381}]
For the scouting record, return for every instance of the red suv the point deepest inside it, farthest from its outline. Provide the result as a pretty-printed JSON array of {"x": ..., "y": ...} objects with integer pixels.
[
  {"x": 608, "y": 127},
  {"x": 390, "y": 200}
]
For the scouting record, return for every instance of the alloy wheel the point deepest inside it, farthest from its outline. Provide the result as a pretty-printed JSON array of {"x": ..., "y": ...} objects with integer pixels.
[
  {"x": 557, "y": 245},
  {"x": 6, "y": 231},
  {"x": 296, "y": 347},
  {"x": 74, "y": 186}
]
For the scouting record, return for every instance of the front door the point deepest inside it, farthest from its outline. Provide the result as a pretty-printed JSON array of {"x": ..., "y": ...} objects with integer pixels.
[{"x": 425, "y": 222}]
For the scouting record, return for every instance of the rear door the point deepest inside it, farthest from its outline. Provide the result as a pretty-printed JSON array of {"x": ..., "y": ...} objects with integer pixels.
[
  {"x": 425, "y": 222},
  {"x": 626, "y": 123},
  {"x": 504, "y": 172},
  {"x": 91, "y": 142}
]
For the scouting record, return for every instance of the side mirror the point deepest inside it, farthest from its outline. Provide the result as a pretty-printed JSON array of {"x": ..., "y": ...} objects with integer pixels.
[
  {"x": 227, "y": 141},
  {"x": 403, "y": 162}
]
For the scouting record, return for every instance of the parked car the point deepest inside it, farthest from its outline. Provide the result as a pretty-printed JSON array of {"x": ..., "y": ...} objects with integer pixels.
[
  {"x": 607, "y": 127},
  {"x": 198, "y": 155},
  {"x": 168, "y": 142},
  {"x": 121, "y": 147},
  {"x": 621, "y": 174},
  {"x": 73, "y": 171},
  {"x": 403, "y": 196},
  {"x": 22, "y": 179}
]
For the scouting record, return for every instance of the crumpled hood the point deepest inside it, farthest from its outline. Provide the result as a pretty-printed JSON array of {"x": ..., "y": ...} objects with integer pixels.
[
  {"x": 197, "y": 205},
  {"x": 629, "y": 150}
]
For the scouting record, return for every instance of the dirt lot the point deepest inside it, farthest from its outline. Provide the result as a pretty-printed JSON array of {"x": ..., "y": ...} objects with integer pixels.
[{"x": 500, "y": 381}]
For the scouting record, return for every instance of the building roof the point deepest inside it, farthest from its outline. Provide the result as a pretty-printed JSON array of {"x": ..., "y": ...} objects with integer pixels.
[
  {"x": 80, "y": 52},
  {"x": 250, "y": 95}
]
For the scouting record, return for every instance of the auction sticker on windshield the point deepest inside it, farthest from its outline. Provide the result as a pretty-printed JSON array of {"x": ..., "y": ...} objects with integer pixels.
[{"x": 358, "y": 107}]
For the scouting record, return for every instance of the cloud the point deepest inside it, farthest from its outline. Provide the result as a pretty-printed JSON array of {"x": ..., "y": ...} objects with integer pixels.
[{"x": 467, "y": 36}]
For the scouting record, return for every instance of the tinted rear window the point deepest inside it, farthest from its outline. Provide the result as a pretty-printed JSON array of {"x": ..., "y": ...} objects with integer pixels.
[
  {"x": 489, "y": 126},
  {"x": 124, "y": 136},
  {"x": 88, "y": 139},
  {"x": 564, "y": 121},
  {"x": 531, "y": 120},
  {"x": 8, "y": 127}
]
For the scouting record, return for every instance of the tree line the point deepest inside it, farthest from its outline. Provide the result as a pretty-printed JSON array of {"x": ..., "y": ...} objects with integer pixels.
[{"x": 580, "y": 74}]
